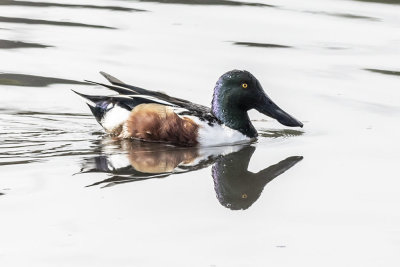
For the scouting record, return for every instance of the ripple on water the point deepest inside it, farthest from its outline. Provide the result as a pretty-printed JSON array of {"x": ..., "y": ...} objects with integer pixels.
[
  {"x": 16, "y": 79},
  {"x": 209, "y": 2},
  {"x": 264, "y": 45},
  {"x": 386, "y": 72},
  {"x": 50, "y": 22},
  {"x": 48, "y": 4},
  {"x": 28, "y": 136},
  {"x": 278, "y": 133},
  {"x": 392, "y": 2},
  {"x": 9, "y": 44}
]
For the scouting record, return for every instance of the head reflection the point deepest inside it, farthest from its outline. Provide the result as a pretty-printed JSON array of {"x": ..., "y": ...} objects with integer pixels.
[{"x": 236, "y": 188}]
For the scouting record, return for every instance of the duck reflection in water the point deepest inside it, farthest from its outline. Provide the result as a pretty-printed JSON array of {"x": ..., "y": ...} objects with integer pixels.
[{"x": 236, "y": 188}]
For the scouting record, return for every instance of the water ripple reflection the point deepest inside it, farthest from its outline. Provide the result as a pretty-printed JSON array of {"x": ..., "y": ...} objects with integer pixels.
[
  {"x": 50, "y": 22},
  {"x": 276, "y": 133},
  {"x": 48, "y": 4},
  {"x": 28, "y": 136}
]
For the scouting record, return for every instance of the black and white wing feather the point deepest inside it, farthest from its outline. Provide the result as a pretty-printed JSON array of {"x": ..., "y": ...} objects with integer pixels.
[{"x": 185, "y": 107}]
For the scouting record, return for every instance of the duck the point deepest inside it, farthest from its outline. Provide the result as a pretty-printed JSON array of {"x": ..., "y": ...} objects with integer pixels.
[{"x": 152, "y": 116}]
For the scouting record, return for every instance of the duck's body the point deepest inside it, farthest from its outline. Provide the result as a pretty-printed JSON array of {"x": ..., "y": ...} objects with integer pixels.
[
  {"x": 151, "y": 116},
  {"x": 160, "y": 123}
]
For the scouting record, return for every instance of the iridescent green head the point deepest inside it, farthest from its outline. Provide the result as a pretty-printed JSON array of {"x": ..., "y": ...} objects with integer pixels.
[{"x": 237, "y": 92}]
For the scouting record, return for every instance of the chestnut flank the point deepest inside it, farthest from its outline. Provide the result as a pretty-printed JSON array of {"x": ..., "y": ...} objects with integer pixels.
[{"x": 159, "y": 123}]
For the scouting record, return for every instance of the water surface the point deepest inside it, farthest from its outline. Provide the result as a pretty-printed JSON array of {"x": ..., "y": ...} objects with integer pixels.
[{"x": 323, "y": 195}]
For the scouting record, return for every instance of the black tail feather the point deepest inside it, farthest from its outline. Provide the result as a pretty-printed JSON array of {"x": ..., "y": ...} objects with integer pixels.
[
  {"x": 92, "y": 98},
  {"x": 173, "y": 100},
  {"x": 126, "y": 102},
  {"x": 143, "y": 91},
  {"x": 119, "y": 90},
  {"x": 111, "y": 78},
  {"x": 130, "y": 91}
]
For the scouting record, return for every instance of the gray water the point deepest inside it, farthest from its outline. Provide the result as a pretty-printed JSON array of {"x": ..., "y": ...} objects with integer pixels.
[{"x": 323, "y": 195}]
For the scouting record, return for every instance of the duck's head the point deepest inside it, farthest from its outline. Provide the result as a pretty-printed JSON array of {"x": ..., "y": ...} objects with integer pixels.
[{"x": 237, "y": 92}]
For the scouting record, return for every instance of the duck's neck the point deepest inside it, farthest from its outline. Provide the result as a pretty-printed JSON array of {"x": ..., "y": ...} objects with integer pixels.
[{"x": 232, "y": 115}]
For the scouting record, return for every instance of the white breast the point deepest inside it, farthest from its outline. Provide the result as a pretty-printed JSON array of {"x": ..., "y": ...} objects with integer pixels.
[{"x": 218, "y": 134}]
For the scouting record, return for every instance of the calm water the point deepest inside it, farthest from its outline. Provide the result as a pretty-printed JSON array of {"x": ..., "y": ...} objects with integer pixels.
[{"x": 324, "y": 195}]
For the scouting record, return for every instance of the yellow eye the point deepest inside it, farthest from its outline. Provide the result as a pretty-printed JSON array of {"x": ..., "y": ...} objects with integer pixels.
[
  {"x": 244, "y": 196},
  {"x": 244, "y": 85}
]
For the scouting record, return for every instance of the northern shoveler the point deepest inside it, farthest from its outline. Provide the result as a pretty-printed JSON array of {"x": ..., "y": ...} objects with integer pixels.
[{"x": 152, "y": 116}]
